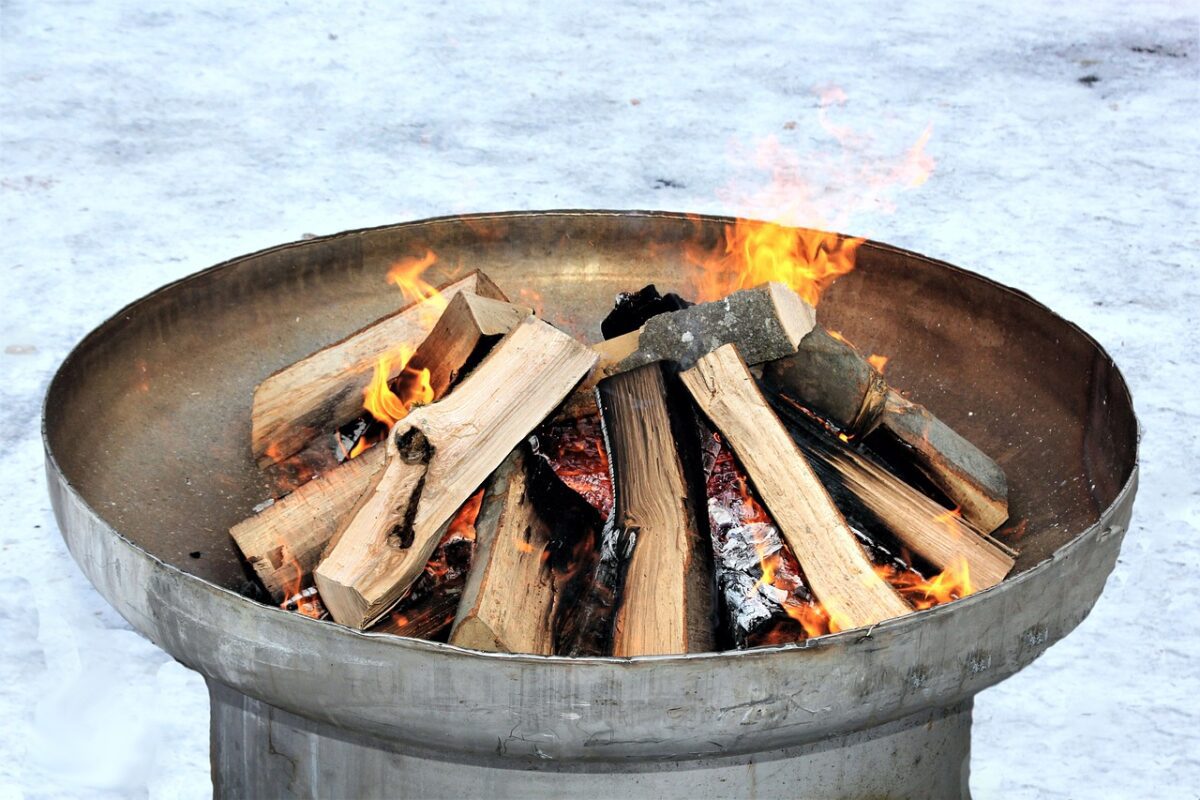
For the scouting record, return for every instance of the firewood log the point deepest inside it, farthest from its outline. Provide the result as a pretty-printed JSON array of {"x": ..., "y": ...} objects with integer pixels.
[
  {"x": 530, "y": 532},
  {"x": 766, "y": 322},
  {"x": 833, "y": 379},
  {"x": 284, "y": 541},
  {"x": 834, "y": 563},
  {"x": 437, "y": 456},
  {"x": 929, "y": 530},
  {"x": 666, "y": 596},
  {"x": 325, "y": 390}
]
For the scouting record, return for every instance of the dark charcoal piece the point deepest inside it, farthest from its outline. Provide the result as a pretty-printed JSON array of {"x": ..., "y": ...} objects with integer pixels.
[{"x": 632, "y": 309}]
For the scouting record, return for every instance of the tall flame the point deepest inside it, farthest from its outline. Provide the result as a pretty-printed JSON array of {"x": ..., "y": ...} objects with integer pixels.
[
  {"x": 407, "y": 274},
  {"x": 803, "y": 199}
]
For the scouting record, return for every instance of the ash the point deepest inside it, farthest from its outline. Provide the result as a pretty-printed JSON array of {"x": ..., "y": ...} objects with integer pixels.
[{"x": 140, "y": 144}]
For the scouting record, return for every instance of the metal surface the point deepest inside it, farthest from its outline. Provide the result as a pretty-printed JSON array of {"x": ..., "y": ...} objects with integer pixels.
[{"x": 147, "y": 431}]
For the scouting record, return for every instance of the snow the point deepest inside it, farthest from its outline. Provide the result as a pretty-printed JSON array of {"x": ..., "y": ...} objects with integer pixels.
[{"x": 143, "y": 143}]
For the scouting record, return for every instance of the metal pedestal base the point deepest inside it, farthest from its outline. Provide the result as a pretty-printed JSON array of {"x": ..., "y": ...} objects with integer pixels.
[{"x": 263, "y": 752}]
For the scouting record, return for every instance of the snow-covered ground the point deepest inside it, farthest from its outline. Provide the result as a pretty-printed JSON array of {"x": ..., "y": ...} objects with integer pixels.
[{"x": 140, "y": 144}]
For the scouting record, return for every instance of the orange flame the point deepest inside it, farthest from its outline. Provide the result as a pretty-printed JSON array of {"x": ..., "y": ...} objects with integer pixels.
[
  {"x": 294, "y": 595},
  {"x": 808, "y": 261},
  {"x": 952, "y": 583},
  {"x": 383, "y": 403},
  {"x": 878, "y": 361},
  {"x": 796, "y": 247}
]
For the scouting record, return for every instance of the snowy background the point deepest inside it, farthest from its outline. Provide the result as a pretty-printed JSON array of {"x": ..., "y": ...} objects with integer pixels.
[{"x": 140, "y": 144}]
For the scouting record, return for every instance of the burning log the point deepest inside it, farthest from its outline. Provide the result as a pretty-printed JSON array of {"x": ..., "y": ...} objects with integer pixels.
[
  {"x": 284, "y": 541},
  {"x": 437, "y": 456},
  {"x": 833, "y": 379},
  {"x": 533, "y": 534},
  {"x": 835, "y": 565},
  {"x": 666, "y": 597},
  {"x": 325, "y": 390},
  {"x": 929, "y": 530}
]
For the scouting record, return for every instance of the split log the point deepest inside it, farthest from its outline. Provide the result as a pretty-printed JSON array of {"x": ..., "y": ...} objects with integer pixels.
[
  {"x": 325, "y": 390},
  {"x": 929, "y": 530},
  {"x": 666, "y": 597},
  {"x": 284, "y": 541},
  {"x": 830, "y": 377},
  {"x": 464, "y": 333},
  {"x": 835, "y": 565},
  {"x": 972, "y": 480},
  {"x": 436, "y": 457},
  {"x": 531, "y": 533}
]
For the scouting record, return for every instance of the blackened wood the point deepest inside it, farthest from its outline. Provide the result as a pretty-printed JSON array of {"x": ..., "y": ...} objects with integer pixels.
[{"x": 632, "y": 309}]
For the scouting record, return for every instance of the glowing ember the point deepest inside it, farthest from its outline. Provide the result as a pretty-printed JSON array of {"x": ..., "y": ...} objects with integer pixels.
[
  {"x": 877, "y": 361},
  {"x": 575, "y": 451}
]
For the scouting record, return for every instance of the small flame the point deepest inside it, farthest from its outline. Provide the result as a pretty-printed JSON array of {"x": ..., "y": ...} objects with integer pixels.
[
  {"x": 952, "y": 583},
  {"x": 295, "y": 596},
  {"x": 384, "y": 404},
  {"x": 406, "y": 274},
  {"x": 878, "y": 361}
]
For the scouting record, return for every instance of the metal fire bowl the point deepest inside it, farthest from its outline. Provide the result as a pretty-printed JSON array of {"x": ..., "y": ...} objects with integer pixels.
[{"x": 147, "y": 431}]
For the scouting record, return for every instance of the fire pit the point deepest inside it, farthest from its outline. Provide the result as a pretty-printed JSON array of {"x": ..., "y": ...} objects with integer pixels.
[{"x": 146, "y": 431}]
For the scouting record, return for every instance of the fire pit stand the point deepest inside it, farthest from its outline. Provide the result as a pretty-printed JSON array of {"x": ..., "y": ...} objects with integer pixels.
[{"x": 303, "y": 708}]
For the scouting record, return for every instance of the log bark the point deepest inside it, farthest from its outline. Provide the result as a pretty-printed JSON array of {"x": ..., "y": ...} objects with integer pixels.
[
  {"x": 969, "y": 478},
  {"x": 766, "y": 323},
  {"x": 830, "y": 377},
  {"x": 835, "y": 565},
  {"x": 666, "y": 597},
  {"x": 531, "y": 535},
  {"x": 929, "y": 530},
  {"x": 436, "y": 457},
  {"x": 325, "y": 390}
]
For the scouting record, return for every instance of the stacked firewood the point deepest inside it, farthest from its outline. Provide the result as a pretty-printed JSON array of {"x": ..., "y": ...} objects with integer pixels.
[{"x": 702, "y": 479}]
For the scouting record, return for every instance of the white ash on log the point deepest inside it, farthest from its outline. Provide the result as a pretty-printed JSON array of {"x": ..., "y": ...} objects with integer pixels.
[
  {"x": 834, "y": 563},
  {"x": 832, "y": 378},
  {"x": 436, "y": 457},
  {"x": 324, "y": 391},
  {"x": 666, "y": 595}
]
